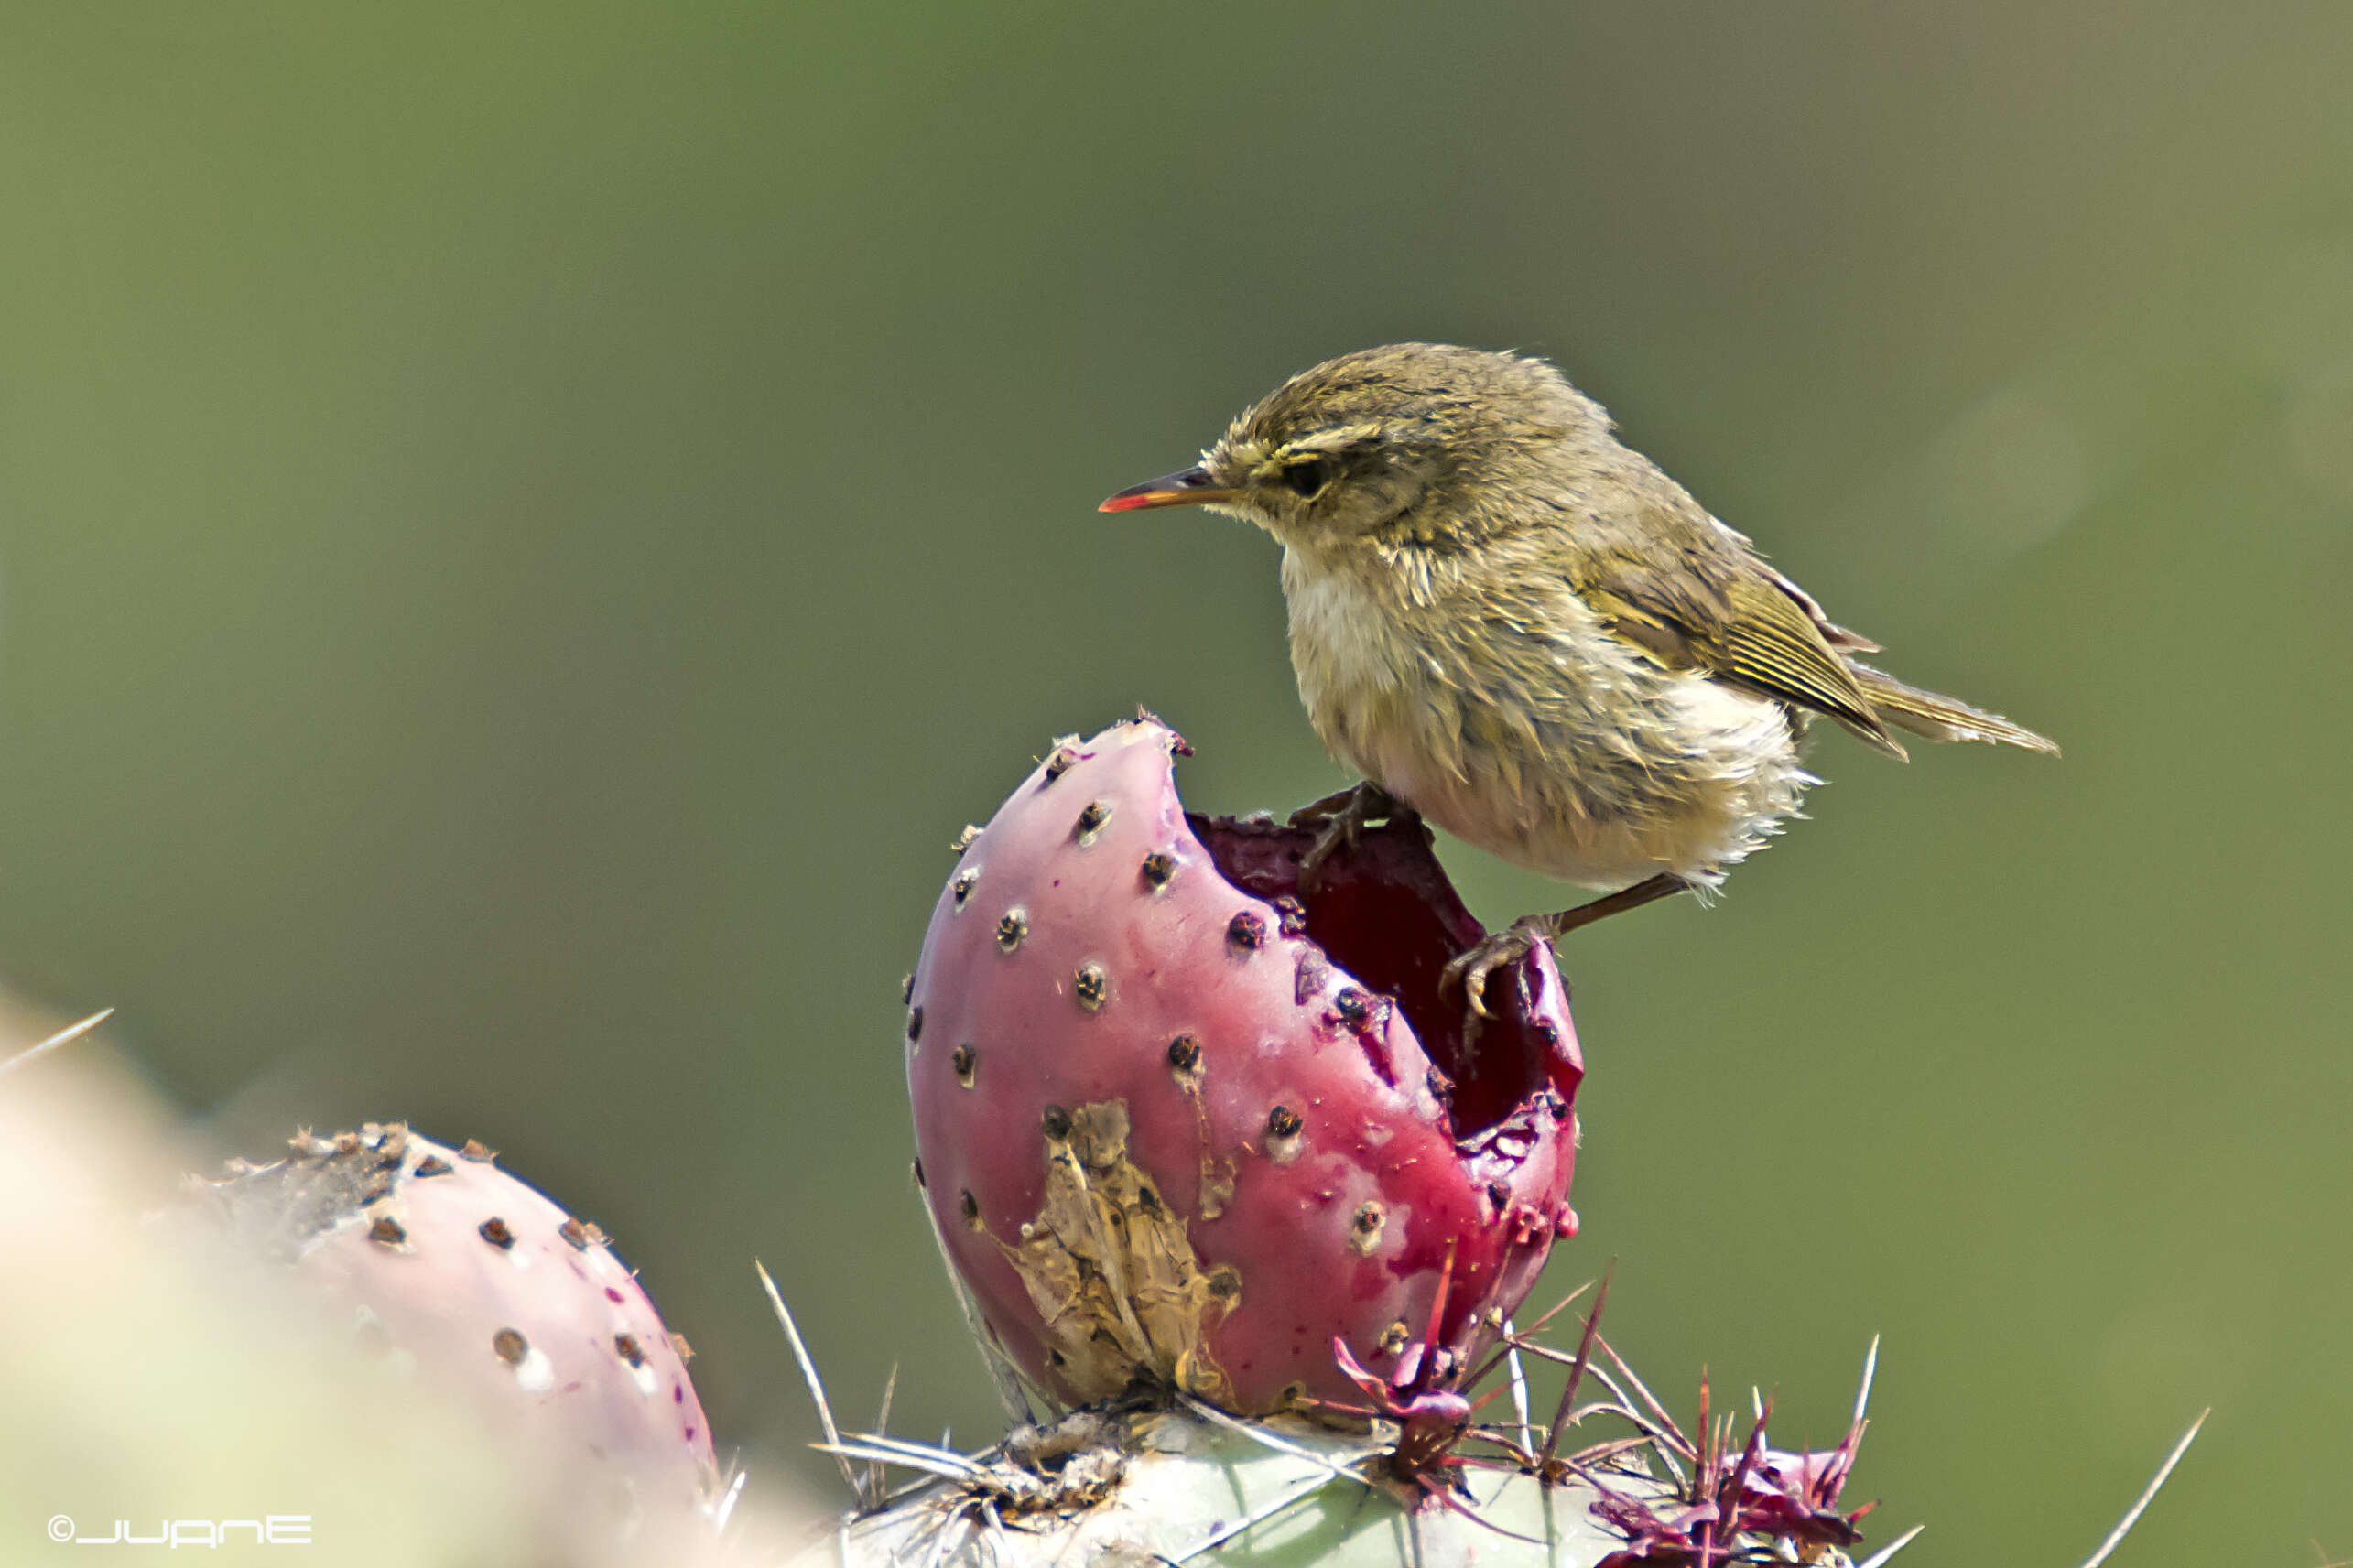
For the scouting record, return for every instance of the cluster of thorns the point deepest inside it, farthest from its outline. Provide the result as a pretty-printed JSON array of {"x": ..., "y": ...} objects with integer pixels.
[{"x": 1732, "y": 1502}]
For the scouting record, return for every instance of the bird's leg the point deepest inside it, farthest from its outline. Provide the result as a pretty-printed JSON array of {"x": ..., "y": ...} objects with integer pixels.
[
  {"x": 1518, "y": 939},
  {"x": 1342, "y": 817}
]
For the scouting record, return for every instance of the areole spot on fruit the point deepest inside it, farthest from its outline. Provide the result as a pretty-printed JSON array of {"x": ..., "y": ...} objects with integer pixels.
[
  {"x": 1283, "y": 1129},
  {"x": 1185, "y": 1061}
]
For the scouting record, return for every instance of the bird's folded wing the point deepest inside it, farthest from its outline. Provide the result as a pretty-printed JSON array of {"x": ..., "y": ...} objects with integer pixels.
[{"x": 1726, "y": 612}]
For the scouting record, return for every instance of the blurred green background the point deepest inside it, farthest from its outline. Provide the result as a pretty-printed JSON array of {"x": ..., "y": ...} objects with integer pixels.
[{"x": 524, "y": 531}]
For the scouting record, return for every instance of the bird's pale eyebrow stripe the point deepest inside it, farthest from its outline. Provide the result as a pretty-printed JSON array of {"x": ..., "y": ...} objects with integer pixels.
[{"x": 1334, "y": 438}]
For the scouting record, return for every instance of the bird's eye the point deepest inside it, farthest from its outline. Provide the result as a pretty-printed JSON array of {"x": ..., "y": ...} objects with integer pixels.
[{"x": 1306, "y": 479}]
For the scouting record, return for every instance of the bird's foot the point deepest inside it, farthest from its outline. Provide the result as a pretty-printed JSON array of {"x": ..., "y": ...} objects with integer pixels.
[
  {"x": 1343, "y": 817},
  {"x": 1517, "y": 940},
  {"x": 1494, "y": 951}
]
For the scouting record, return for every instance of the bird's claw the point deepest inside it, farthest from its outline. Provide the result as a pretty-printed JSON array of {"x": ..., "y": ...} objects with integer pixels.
[
  {"x": 1343, "y": 817},
  {"x": 1494, "y": 951}
]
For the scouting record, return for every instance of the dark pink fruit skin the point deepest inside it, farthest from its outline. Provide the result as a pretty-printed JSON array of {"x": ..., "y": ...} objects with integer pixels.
[
  {"x": 1089, "y": 927},
  {"x": 465, "y": 1277}
]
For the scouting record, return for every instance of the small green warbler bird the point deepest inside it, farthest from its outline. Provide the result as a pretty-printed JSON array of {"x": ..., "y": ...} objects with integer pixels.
[{"x": 1526, "y": 632}]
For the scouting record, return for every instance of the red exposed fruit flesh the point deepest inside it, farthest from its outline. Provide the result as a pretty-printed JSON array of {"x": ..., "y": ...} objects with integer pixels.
[{"x": 1183, "y": 1119}]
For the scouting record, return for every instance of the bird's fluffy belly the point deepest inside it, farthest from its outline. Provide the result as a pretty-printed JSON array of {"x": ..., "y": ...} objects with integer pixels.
[{"x": 1564, "y": 750}]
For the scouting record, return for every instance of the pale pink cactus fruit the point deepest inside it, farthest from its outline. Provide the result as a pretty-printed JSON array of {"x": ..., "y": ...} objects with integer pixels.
[
  {"x": 1185, "y": 1116},
  {"x": 456, "y": 1274}
]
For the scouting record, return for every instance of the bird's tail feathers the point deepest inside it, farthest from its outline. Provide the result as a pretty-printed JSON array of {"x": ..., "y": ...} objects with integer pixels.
[{"x": 1940, "y": 717}]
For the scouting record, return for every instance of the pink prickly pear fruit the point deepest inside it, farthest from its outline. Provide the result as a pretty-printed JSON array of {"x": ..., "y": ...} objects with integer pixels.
[
  {"x": 1185, "y": 1116},
  {"x": 459, "y": 1273}
]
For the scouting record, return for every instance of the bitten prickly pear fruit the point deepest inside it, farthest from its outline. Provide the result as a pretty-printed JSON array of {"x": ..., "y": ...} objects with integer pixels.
[
  {"x": 460, "y": 1274},
  {"x": 1186, "y": 1115}
]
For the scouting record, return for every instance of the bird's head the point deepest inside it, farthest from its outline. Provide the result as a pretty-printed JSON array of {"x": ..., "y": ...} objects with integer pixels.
[{"x": 1413, "y": 441}]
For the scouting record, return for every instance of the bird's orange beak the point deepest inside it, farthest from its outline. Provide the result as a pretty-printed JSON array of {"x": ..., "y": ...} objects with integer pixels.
[{"x": 1186, "y": 487}]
